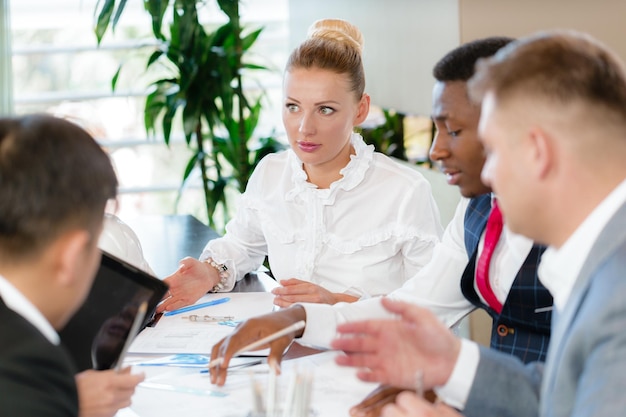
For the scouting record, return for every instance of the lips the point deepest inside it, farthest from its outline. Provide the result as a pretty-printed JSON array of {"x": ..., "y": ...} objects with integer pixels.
[
  {"x": 452, "y": 177},
  {"x": 308, "y": 146}
]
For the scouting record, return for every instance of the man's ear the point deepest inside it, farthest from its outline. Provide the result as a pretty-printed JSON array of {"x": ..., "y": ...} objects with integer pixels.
[
  {"x": 70, "y": 250},
  {"x": 542, "y": 152}
]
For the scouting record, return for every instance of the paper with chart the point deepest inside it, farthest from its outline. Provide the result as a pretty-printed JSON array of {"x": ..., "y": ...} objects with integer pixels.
[{"x": 178, "y": 334}]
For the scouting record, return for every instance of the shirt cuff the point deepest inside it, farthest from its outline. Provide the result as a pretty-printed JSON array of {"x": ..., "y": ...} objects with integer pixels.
[
  {"x": 321, "y": 325},
  {"x": 456, "y": 390}
]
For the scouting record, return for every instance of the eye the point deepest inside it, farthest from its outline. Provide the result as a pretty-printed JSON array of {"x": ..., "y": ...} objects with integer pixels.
[
  {"x": 292, "y": 108},
  {"x": 326, "y": 110},
  {"x": 454, "y": 133}
]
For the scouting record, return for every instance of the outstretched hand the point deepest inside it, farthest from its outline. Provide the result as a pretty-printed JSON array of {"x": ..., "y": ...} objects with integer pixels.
[
  {"x": 192, "y": 280},
  {"x": 297, "y": 291},
  {"x": 393, "y": 351},
  {"x": 252, "y": 330}
]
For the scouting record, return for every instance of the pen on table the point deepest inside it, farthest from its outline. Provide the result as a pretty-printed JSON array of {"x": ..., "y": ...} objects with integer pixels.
[
  {"x": 197, "y": 306},
  {"x": 207, "y": 318},
  {"x": 155, "y": 319},
  {"x": 289, "y": 329}
]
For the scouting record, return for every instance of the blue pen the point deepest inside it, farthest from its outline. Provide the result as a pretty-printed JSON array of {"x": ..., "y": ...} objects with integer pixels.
[{"x": 197, "y": 306}]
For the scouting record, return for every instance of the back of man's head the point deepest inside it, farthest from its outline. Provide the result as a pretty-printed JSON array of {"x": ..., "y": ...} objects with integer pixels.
[
  {"x": 459, "y": 63},
  {"x": 558, "y": 67},
  {"x": 54, "y": 177}
]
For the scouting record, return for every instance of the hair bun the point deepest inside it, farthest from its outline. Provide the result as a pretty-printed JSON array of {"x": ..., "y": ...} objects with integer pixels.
[{"x": 339, "y": 30}]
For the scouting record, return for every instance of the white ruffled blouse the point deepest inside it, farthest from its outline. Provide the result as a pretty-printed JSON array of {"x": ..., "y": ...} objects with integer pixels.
[{"x": 365, "y": 235}]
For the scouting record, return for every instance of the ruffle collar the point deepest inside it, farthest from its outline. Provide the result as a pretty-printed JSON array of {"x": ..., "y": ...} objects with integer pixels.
[{"x": 352, "y": 174}]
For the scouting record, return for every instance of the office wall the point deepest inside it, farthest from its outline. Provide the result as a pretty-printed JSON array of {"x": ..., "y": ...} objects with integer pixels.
[
  {"x": 603, "y": 19},
  {"x": 403, "y": 39}
]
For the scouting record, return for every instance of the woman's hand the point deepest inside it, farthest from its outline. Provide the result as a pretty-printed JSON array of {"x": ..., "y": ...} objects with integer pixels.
[
  {"x": 192, "y": 280},
  {"x": 297, "y": 291}
]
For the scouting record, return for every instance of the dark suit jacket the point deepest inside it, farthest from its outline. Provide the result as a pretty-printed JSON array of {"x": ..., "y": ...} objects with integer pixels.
[
  {"x": 518, "y": 330},
  {"x": 584, "y": 369},
  {"x": 36, "y": 377}
]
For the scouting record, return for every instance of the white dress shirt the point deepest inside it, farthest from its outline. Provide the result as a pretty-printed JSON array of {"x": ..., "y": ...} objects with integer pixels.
[
  {"x": 436, "y": 286},
  {"x": 558, "y": 271},
  {"x": 16, "y": 301},
  {"x": 118, "y": 239},
  {"x": 365, "y": 235}
]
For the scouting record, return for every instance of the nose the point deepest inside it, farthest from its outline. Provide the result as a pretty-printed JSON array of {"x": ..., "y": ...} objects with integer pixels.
[
  {"x": 307, "y": 125},
  {"x": 440, "y": 148},
  {"x": 487, "y": 172}
]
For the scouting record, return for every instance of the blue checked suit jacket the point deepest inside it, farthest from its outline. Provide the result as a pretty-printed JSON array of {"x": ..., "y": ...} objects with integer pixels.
[{"x": 519, "y": 330}]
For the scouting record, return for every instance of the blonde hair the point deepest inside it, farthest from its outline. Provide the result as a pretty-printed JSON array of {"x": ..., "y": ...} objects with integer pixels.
[
  {"x": 340, "y": 30},
  {"x": 563, "y": 67},
  {"x": 335, "y": 45}
]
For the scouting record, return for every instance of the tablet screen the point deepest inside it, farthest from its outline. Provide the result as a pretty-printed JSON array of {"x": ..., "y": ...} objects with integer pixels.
[{"x": 96, "y": 334}]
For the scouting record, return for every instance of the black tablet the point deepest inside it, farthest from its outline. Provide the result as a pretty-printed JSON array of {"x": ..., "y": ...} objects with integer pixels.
[{"x": 96, "y": 334}]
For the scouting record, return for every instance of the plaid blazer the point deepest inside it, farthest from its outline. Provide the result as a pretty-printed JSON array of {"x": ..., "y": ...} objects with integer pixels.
[{"x": 523, "y": 327}]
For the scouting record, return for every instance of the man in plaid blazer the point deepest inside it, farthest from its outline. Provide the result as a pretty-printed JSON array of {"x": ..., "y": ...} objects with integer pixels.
[{"x": 522, "y": 327}]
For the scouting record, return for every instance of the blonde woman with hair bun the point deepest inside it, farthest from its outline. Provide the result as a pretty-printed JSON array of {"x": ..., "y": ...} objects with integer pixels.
[{"x": 337, "y": 220}]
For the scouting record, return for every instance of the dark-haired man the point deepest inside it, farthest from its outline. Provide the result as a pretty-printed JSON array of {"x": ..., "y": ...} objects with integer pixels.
[{"x": 55, "y": 181}]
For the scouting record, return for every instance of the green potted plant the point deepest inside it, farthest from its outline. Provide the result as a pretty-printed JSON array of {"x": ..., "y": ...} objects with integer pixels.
[
  {"x": 203, "y": 89},
  {"x": 388, "y": 137}
]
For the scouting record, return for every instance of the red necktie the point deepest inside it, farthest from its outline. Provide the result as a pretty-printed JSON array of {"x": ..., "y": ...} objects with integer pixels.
[{"x": 492, "y": 234}]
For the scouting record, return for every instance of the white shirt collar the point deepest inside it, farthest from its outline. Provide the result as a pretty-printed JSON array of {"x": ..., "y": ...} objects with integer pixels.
[
  {"x": 352, "y": 174},
  {"x": 16, "y": 301},
  {"x": 559, "y": 268}
]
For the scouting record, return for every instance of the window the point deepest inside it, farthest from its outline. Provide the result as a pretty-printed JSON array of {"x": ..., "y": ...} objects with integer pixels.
[{"x": 58, "y": 68}]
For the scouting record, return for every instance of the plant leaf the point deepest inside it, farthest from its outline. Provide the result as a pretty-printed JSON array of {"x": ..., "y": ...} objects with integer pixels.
[
  {"x": 116, "y": 76},
  {"x": 191, "y": 164},
  {"x": 154, "y": 57},
  {"x": 248, "y": 40},
  {"x": 157, "y": 9},
  {"x": 104, "y": 17},
  {"x": 118, "y": 13},
  {"x": 230, "y": 7}
]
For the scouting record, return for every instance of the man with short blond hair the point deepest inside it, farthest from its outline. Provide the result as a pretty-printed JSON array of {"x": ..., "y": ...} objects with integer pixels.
[{"x": 553, "y": 124}]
